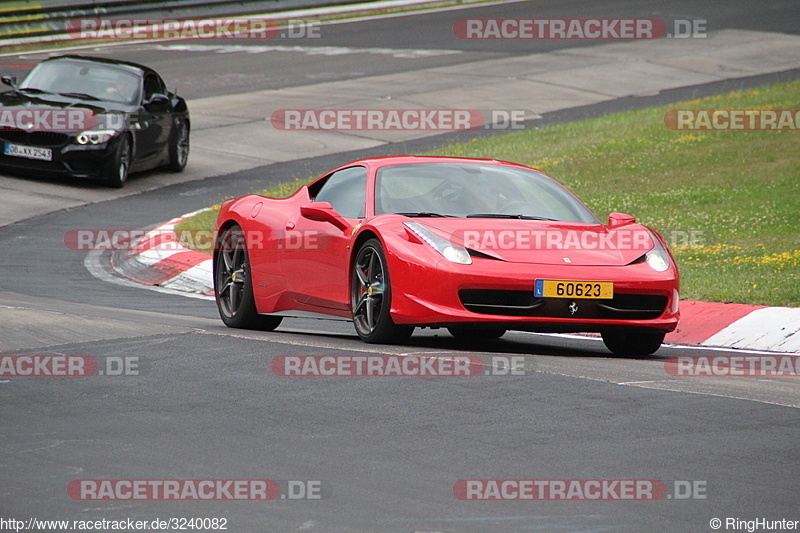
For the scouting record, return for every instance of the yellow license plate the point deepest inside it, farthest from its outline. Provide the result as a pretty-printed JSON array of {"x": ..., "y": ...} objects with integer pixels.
[{"x": 556, "y": 288}]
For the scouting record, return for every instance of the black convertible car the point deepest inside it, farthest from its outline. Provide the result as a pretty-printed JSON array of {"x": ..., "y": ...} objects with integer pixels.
[{"x": 91, "y": 118}]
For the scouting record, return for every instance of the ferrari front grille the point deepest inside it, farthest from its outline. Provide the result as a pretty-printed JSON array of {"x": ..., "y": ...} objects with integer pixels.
[{"x": 523, "y": 303}]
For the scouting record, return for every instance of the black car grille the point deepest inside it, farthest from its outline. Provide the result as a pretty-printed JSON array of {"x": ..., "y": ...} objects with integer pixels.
[
  {"x": 500, "y": 302},
  {"x": 34, "y": 138},
  {"x": 523, "y": 303},
  {"x": 25, "y": 164},
  {"x": 637, "y": 306},
  {"x": 79, "y": 165}
]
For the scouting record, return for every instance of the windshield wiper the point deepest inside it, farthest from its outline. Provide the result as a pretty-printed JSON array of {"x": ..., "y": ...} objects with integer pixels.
[
  {"x": 424, "y": 214},
  {"x": 34, "y": 90},
  {"x": 502, "y": 215},
  {"x": 81, "y": 95}
]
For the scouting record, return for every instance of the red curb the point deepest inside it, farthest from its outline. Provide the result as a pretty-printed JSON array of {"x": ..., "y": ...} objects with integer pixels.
[
  {"x": 176, "y": 264},
  {"x": 159, "y": 238},
  {"x": 706, "y": 319}
]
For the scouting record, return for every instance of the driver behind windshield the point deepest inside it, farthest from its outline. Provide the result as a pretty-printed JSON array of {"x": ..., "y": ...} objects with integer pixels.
[{"x": 123, "y": 89}]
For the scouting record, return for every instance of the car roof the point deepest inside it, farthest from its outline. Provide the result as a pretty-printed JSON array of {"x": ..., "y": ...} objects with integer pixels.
[
  {"x": 408, "y": 159},
  {"x": 383, "y": 161},
  {"x": 133, "y": 67}
]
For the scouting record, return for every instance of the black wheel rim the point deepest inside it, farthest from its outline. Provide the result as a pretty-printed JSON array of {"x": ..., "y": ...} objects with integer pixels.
[
  {"x": 231, "y": 272},
  {"x": 183, "y": 144},
  {"x": 369, "y": 290}
]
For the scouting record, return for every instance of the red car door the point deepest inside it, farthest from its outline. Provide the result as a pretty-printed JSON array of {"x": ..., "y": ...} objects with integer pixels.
[{"x": 315, "y": 253}]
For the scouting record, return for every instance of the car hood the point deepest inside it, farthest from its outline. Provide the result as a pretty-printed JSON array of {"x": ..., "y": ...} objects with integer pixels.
[
  {"x": 105, "y": 114},
  {"x": 544, "y": 242}
]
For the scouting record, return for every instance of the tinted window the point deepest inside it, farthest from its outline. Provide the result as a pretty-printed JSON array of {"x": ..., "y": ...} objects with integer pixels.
[
  {"x": 345, "y": 190},
  {"x": 471, "y": 189},
  {"x": 105, "y": 82},
  {"x": 153, "y": 85}
]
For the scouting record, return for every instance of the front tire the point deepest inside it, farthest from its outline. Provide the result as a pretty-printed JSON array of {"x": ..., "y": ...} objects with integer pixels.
[
  {"x": 179, "y": 147},
  {"x": 116, "y": 173},
  {"x": 233, "y": 286},
  {"x": 371, "y": 297},
  {"x": 633, "y": 343}
]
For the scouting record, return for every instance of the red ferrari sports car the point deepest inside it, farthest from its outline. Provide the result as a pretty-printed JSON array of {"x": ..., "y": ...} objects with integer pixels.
[{"x": 477, "y": 246}]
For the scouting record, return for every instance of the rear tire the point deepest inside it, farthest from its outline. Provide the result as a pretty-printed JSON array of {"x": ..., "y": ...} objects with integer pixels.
[
  {"x": 233, "y": 286},
  {"x": 371, "y": 298},
  {"x": 633, "y": 343}
]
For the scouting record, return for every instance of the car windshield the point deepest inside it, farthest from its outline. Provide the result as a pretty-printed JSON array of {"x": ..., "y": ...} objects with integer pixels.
[
  {"x": 475, "y": 190},
  {"x": 84, "y": 80}
]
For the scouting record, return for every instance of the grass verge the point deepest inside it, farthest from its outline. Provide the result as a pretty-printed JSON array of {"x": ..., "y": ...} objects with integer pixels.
[{"x": 728, "y": 202}]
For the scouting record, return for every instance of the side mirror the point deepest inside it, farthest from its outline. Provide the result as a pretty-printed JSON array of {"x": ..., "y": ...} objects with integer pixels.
[
  {"x": 618, "y": 219},
  {"x": 11, "y": 81},
  {"x": 324, "y": 212},
  {"x": 156, "y": 100}
]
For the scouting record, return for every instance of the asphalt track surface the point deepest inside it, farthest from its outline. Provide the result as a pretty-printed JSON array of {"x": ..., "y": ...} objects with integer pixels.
[{"x": 387, "y": 451}]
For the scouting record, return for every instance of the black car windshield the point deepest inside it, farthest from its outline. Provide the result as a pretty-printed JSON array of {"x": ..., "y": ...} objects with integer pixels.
[
  {"x": 84, "y": 80},
  {"x": 475, "y": 190}
]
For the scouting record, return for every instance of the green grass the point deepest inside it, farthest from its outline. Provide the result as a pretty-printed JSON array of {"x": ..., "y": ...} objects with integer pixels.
[
  {"x": 201, "y": 222},
  {"x": 727, "y": 202},
  {"x": 206, "y": 220}
]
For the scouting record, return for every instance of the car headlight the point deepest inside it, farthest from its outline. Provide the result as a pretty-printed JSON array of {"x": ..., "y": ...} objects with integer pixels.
[
  {"x": 95, "y": 137},
  {"x": 657, "y": 258},
  {"x": 450, "y": 251}
]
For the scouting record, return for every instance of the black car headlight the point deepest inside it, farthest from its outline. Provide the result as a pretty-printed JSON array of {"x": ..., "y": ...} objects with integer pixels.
[{"x": 95, "y": 136}]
